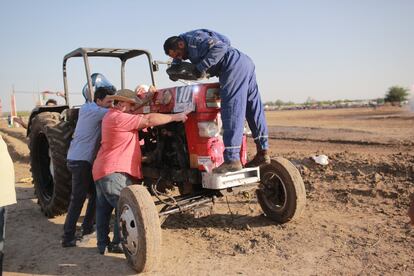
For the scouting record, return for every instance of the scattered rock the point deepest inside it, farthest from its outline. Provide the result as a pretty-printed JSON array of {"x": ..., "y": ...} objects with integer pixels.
[{"x": 377, "y": 177}]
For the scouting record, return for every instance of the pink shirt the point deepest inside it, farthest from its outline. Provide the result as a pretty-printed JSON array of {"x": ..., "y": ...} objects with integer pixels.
[{"x": 120, "y": 150}]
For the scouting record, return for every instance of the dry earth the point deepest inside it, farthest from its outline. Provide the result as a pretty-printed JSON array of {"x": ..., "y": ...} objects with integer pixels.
[{"x": 355, "y": 220}]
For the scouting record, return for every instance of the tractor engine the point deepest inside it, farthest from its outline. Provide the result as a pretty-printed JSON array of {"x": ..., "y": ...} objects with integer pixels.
[
  {"x": 164, "y": 150},
  {"x": 177, "y": 153}
]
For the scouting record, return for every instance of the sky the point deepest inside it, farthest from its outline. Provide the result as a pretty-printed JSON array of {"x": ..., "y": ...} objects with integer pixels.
[{"x": 325, "y": 50}]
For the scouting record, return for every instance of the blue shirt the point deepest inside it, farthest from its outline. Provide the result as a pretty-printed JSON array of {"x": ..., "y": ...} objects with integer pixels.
[
  {"x": 87, "y": 136},
  {"x": 206, "y": 49}
]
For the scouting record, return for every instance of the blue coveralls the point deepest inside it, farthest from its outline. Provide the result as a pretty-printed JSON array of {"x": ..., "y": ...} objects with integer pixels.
[{"x": 211, "y": 52}]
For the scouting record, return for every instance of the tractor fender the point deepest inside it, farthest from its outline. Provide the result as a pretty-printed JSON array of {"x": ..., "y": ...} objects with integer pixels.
[{"x": 41, "y": 109}]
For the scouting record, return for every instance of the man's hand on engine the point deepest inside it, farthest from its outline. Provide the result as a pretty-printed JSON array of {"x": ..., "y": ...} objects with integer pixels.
[{"x": 198, "y": 74}]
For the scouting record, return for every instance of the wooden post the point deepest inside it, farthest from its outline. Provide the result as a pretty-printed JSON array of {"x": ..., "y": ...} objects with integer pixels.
[{"x": 13, "y": 110}]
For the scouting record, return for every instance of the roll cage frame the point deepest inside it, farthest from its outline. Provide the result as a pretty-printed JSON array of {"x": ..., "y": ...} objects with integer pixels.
[{"x": 122, "y": 54}]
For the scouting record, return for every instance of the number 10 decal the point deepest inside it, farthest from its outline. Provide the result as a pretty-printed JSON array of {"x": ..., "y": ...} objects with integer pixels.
[{"x": 184, "y": 99}]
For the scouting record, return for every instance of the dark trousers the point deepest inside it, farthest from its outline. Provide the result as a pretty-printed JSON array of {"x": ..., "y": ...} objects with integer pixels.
[
  {"x": 2, "y": 236},
  {"x": 82, "y": 186}
]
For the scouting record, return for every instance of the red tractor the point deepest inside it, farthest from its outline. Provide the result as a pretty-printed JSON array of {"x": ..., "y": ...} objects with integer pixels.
[{"x": 180, "y": 155}]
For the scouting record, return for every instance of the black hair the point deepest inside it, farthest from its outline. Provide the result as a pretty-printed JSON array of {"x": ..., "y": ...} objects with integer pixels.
[
  {"x": 171, "y": 44},
  {"x": 102, "y": 92},
  {"x": 52, "y": 101}
]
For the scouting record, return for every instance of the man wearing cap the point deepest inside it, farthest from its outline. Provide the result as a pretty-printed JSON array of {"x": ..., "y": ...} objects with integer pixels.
[
  {"x": 212, "y": 54},
  {"x": 82, "y": 152},
  {"x": 118, "y": 162}
]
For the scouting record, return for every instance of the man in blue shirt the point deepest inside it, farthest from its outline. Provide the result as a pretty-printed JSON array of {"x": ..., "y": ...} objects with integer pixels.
[
  {"x": 81, "y": 154},
  {"x": 212, "y": 54}
]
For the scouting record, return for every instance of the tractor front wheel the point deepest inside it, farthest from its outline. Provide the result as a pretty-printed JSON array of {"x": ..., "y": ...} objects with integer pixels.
[
  {"x": 140, "y": 229},
  {"x": 281, "y": 192}
]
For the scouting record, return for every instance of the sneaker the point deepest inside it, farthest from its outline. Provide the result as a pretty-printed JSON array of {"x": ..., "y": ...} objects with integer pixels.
[
  {"x": 71, "y": 243},
  {"x": 115, "y": 248},
  {"x": 228, "y": 166},
  {"x": 261, "y": 158}
]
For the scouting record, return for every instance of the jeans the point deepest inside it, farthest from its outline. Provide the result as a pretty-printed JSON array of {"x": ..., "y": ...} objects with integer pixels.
[
  {"x": 2, "y": 235},
  {"x": 108, "y": 189},
  {"x": 82, "y": 185}
]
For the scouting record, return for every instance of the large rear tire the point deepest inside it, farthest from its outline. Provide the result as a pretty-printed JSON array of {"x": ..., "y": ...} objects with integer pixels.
[
  {"x": 140, "y": 229},
  {"x": 49, "y": 143},
  {"x": 281, "y": 192}
]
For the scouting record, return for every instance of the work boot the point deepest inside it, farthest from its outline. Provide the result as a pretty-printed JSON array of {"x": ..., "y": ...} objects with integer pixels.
[
  {"x": 261, "y": 158},
  {"x": 69, "y": 243},
  {"x": 86, "y": 235},
  {"x": 228, "y": 166}
]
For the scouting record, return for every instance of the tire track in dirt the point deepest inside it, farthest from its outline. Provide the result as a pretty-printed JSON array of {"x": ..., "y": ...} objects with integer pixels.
[
  {"x": 338, "y": 141},
  {"x": 338, "y": 136}
]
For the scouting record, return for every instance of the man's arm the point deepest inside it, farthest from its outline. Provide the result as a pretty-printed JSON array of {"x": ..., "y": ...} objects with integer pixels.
[
  {"x": 20, "y": 121},
  {"x": 216, "y": 50},
  {"x": 156, "y": 119}
]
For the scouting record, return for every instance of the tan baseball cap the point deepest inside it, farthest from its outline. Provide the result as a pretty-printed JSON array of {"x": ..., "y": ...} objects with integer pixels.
[{"x": 126, "y": 95}]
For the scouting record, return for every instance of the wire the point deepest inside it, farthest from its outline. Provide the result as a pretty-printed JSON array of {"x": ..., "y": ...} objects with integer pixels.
[
  {"x": 228, "y": 206},
  {"x": 158, "y": 194}
]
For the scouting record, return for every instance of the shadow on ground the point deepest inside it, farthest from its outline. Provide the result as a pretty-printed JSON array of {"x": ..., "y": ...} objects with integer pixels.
[{"x": 33, "y": 245}]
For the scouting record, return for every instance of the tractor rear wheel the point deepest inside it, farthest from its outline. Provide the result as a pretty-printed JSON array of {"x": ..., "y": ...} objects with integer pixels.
[
  {"x": 281, "y": 192},
  {"x": 49, "y": 143},
  {"x": 140, "y": 229}
]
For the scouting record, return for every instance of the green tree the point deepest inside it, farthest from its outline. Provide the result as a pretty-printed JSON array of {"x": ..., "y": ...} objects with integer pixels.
[
  {"x": 310, "y": 101},
  {"x": 279, "y": 103},
  {"x": 396, "y": 94}
]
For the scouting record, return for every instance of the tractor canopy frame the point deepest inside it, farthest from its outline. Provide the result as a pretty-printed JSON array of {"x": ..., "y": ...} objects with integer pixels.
[{"x": 122, "y": 54}]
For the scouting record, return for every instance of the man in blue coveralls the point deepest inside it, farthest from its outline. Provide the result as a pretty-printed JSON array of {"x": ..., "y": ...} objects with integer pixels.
[{"x": 212, "y": 54}]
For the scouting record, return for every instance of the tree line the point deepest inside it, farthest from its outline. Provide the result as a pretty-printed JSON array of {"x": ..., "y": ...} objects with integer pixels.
[{"x": 395, "y": 94}]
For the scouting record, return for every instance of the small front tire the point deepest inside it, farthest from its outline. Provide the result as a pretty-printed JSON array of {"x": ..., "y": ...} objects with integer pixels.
[
  {"x": 140, "y": 228},
  {"x": 281, "y": 193}
]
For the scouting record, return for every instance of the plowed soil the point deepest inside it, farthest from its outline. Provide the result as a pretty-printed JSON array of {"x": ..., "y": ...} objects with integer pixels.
[{"x": 355, "y": 220}]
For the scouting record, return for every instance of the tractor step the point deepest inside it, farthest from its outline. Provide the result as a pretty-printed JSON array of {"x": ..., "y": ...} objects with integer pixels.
[{"x": 217, "y": 181}]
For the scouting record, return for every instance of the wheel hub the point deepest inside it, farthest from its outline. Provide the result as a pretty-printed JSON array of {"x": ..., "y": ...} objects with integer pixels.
[
  {"x": 128, "y": 226},
  {"x": 275, "y": 190}
]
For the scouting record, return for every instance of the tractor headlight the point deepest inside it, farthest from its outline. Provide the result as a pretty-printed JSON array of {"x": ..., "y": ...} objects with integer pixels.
[
  {"x": 208, "y": 129},
  {"x": 213, "y": 98}
]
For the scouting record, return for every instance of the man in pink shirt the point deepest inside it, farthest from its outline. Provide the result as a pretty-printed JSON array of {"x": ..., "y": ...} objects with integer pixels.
[{"x": 118, "y": 162}]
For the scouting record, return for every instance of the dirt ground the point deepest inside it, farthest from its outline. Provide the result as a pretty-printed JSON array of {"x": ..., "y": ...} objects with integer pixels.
[{"x": 355, "y": 220}]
